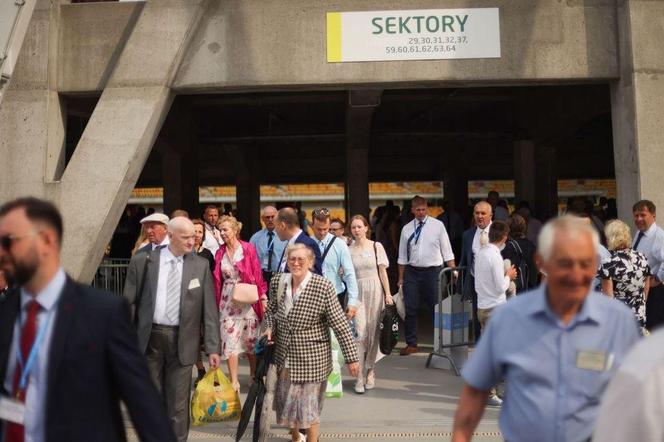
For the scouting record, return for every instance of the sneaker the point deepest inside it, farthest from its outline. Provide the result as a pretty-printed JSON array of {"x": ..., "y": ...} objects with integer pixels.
[
  {"x": 359, "y": 388},
  {"x": 494, "y": 401},
  {"x": 371, "y": 381}
]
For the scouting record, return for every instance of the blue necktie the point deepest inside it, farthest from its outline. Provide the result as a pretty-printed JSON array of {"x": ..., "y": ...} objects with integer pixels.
[
  {"x": 270, "y": 250},
  {"x": 415, "y": 236},
  {"x": 639, "y": 237}
]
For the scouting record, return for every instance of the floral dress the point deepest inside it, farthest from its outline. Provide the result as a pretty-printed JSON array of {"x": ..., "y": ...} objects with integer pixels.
[
  {"x": 239, "y": 322},
  {"x": 628, "y": 269}
]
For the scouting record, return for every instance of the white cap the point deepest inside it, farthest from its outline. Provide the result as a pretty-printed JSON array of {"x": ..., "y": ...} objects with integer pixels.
[{"x": 156, "y": 218}]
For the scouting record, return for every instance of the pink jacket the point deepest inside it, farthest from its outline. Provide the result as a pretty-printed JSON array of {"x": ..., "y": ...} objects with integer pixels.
[{"x": 250, "y": 272}]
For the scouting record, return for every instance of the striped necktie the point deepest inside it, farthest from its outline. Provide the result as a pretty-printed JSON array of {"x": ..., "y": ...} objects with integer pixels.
[
  {"x": 173, "y": 288},
  {"x": 415, "y": 236}
]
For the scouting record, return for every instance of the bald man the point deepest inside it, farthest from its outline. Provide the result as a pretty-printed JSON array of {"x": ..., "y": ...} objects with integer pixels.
[
  {"x": 472, "y": 240},
  {"x": 172, "y": 293},
  {"x": 268, "y": 245}
]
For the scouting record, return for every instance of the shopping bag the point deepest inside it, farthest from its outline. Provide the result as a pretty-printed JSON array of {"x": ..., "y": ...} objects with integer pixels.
[
  {"x": 334, "y": 386},
  {"x": 400, "y": 303},
  {"x": 334, "y": 344},
  {"x": 214, "y": 400},
  {"x": 389, "y": 330}
]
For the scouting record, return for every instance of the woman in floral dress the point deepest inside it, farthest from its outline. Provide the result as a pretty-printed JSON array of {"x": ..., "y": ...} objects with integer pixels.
[
  {"x": 370, "y": 262},
  {"x": 626, "y": 275},
  {"x": 237, "y": 261}
]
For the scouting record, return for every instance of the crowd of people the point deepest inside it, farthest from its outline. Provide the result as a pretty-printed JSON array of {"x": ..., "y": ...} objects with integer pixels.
[{"x": 195, "y": 289}]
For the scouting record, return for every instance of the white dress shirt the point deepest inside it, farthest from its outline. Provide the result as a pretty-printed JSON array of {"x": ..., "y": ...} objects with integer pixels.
[
  {"x": 652, "y": 245},
  {"x": 211, "y": 243},
  {"x": 491, "y": 282},
  {"x": 433, "y": 247},
  {"x": 282, "y": 264},
  {"x": 165, "y": 242},
  {"x": 477, "y": 236},
  {"x": 165, "y": 258},
  {"x": 35, "y": 398}
]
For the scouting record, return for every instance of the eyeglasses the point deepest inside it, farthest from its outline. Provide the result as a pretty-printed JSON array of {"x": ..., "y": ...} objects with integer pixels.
[
  {"x": 297, "y": 260},
  {"x": 321, "y": 211},
  {"x": 7, "y": 241}
]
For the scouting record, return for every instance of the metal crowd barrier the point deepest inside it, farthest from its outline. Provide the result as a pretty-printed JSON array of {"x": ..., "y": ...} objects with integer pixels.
[
  {"x": 111, "y": 275},
  {"x": 453, "y": 322}
]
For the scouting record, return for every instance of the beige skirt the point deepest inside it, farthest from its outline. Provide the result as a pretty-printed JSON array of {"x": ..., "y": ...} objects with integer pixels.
[{"x": 298, "y": 405}]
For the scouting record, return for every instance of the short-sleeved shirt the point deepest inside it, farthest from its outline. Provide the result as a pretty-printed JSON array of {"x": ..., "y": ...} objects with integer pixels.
[
  {"x": 432, "y": 248},
  {"x": 633, "y": 405},
  {"x": 551, "y": 396}
]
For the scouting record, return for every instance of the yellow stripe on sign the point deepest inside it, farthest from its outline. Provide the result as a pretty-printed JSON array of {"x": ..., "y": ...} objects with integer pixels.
[{"x": 333, "y": 37}]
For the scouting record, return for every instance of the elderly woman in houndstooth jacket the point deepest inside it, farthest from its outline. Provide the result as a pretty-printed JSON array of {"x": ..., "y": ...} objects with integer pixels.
[{"x": 302, "y": 308}]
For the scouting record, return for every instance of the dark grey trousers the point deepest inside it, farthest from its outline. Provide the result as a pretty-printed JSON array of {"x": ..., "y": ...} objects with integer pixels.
[{"x": 173, "y": 380}]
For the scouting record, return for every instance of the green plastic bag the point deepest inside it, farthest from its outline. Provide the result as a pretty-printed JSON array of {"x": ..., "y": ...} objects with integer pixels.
[
  {"x": 334, "y": 386},
  {"x": 214, "y": 400}
]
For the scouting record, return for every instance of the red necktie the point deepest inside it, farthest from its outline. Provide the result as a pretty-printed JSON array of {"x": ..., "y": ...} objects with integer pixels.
[{"x": 28, "y": 333}]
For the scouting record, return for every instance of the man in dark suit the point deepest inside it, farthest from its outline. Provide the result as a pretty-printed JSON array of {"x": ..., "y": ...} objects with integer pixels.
[
  {"x": 156, "y": 227},
  {"x": 172, "y": 293},
  {"x": 474, "y": 238},
  {"x": 288, "y": 229},
  {"x": 85, "y": 355}
]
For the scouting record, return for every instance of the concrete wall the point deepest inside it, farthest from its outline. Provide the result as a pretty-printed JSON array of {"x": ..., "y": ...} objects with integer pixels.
[{"x": 244, "y": 44}]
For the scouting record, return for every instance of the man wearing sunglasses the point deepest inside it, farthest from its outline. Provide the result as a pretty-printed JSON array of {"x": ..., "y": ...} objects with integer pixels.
[{"x": 68, "y": 352}]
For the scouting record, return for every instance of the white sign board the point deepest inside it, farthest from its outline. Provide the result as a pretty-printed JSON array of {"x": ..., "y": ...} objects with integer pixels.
[{"x": 424, "y": 34}]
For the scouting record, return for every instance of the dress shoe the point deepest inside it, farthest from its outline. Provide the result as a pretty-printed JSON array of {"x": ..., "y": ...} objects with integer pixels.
[{"x": 408, "y": 350}]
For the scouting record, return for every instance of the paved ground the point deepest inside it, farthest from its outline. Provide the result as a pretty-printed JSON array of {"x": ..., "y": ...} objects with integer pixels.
[{"x": 410, "y": 402}]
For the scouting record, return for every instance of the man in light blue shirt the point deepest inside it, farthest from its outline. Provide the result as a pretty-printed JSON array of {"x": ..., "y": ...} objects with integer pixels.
[
  {"x": 556, "y": 347},
  {"x": 268, "y": 245},
  {"x": 337, "y": 263}
]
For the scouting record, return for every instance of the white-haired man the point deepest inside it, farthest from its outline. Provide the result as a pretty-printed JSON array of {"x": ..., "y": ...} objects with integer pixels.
[
  {"x": 172, "y": 293},
  {"x": 556, "y": 347}
]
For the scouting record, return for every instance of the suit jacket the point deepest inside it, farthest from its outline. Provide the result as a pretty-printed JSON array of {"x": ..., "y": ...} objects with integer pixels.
[
  {"x": 249, "y": 268},
  {"x": 94, "y": 363},
  {"x": 468, "y": 261},
  {"x": 197, "y": 304},
  {"x": 303, "y": 238},
  {"x": 304, "y": 334}
]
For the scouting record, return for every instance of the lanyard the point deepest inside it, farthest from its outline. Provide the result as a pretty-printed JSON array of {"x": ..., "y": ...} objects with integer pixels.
[{"x": 32, "y": 356}]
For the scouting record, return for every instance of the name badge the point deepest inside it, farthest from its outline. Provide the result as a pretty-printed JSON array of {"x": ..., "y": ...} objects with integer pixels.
[
  {"x": 594, "y": 360},
  {"x": 12, "y": 410},
  {"x": 194, "y": 283}
]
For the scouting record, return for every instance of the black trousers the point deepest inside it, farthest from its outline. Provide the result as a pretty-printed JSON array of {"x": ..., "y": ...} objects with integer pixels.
[{"x": 655, "y": 307}]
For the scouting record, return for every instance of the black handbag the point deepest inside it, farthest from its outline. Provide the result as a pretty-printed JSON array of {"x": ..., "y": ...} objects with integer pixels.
[{"x": 389, "y": 329}]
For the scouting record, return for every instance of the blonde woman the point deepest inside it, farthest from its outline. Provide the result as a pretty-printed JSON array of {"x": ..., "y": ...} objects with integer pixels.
[
  {"x": 302, "y": 308},
  {"x": 626, "y": 275},
  {"x": 141, "y": 241},
  {"x": 237, "y": 261},
  {"x": 370, "y": 262}
]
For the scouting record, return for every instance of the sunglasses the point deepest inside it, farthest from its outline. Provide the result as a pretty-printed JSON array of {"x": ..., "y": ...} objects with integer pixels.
[
  {"x": 7, "y": 241},
  {"x": 321, "y": 211}
]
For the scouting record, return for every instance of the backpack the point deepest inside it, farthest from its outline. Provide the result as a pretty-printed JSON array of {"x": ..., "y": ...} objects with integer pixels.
[{"x": 523, "y": 274}]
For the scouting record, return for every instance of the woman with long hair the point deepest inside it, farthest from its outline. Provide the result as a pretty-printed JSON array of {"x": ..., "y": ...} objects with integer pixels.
[{"x": 370, "y": 262}]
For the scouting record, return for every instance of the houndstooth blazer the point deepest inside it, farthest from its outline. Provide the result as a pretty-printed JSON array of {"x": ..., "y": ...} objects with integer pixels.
[{"x": 304, "y": 334}]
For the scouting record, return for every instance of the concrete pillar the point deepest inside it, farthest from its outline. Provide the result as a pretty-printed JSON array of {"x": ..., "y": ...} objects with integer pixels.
[
  {"x": 524, "y": 171},
  {"x": 118, "y": 138},
  {"x": 180, "y": 179},
  {"x": 637, "y": 102},
  {"x": 359, "y": 114},
  {"x": 247, "y": 187},
  {"x": 546, "y": 183},
  {"x": 455, "y": 185}
]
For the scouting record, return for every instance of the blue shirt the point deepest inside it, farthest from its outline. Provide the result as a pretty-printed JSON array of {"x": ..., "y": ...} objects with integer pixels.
[
  {"x": 35, "y": 399},
  {"x": 339, "y": 258},
  {"x": 260, "y": 241},
  {"x": 548, "y": 396}
]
